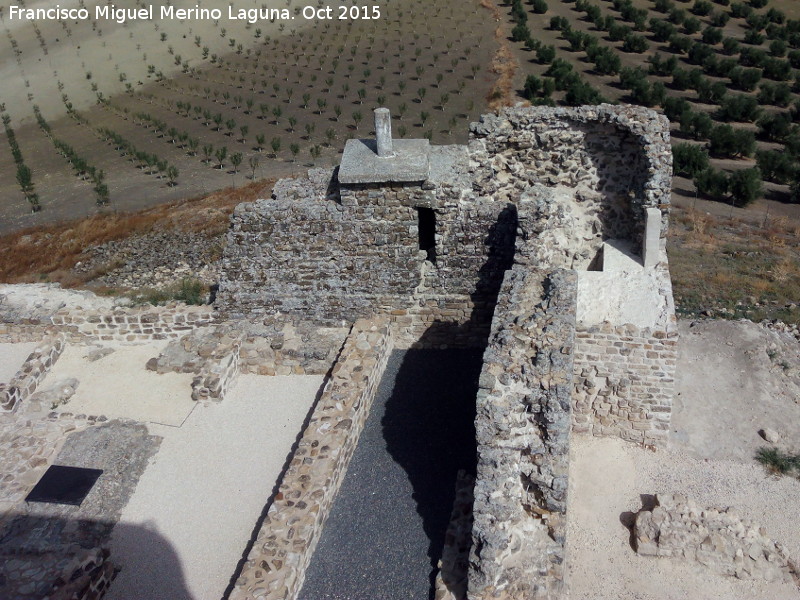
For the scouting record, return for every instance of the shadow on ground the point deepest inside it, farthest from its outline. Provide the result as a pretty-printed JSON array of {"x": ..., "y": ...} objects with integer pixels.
[
  {"x": 429, "y": 430},
  {"x": 43, "y": 555}
]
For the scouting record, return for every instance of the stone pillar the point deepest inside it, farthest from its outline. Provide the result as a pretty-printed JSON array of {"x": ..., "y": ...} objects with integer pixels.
[
  {"x": 651, "y": 246},
  {"x": 383, "y": 132}
]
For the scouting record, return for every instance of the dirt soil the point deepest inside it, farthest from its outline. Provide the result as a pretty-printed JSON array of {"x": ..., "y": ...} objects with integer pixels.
[{"x": 731, "y": 383}]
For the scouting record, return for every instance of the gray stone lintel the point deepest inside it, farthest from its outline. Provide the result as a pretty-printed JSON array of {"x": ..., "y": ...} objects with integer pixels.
[{"x": 361, "y": 163}]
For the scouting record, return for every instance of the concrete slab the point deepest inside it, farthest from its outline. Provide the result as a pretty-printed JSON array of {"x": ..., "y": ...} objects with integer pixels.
[
  {"x": 11, "y": 358},
  {"x": 119, "y": 386},
  {"x": 361, "y": 163},
  {"x": 197, "y": 503},
  {"x": 618, "y": 255},
  {"x": 622, "y": 297}
]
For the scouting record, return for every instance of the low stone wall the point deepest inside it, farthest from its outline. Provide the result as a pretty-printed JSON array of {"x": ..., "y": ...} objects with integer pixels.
[
  {"x": 624, "y": 383},
  {"x": 275, "y": 568},
  {"x": 17, "y": 333},
  {"x": 217, "y": 374},
  {"x": 523, "y": 427},
  {"x": 716, "y": 538},
  {"x": 88, "y": 577},
  {"x": 32, "y": 372},
  {"x": 134, "y": 324},
  {"x": 293, "y": 350}
]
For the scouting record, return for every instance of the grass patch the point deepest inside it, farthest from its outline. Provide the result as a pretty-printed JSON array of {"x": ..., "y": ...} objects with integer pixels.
[
  {"x": 188, "y": 291},
  {"x": 778, "y": 462},
  {"x": 733, "y": 269}
]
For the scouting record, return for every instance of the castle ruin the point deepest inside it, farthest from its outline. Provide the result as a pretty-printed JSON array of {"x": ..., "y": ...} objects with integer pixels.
[{"x": 542, "y": 239}]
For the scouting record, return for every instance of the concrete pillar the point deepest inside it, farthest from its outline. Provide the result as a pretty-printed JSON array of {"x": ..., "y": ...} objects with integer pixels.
[
  {"x": 651, "y": 247},
  {"x": 383, "y": 132}
]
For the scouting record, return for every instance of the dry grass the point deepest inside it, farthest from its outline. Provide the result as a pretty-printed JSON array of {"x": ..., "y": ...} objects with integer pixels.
[
  {"x": 51, "y": 251},
  {"x": 504, "y": 64},
  {"x": 728, "y": 267}
]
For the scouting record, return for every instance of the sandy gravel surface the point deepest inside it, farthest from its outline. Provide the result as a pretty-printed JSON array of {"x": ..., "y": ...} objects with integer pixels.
[
  {"x": 195, "y": 507},
  {"x": 11, "y": 358},
  {"x": 734, "y": 378},
  {"x": 607, "y": 479},
  {"x": 730, "y": 384},
  {"x": 119, "y": 386}
]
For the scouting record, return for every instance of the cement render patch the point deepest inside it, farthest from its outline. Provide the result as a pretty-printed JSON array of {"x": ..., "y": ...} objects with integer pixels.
[
  {"x": 11, "y": 358},
  {"x": 621, "y": 297},
  {"x": 185, "y": 528}
]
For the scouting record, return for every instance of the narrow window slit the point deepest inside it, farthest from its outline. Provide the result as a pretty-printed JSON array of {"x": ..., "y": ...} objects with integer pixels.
[{"x": 427, "y": 232}]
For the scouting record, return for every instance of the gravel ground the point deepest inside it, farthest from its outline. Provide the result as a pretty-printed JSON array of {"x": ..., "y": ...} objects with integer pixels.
[
  {"x": 607, "y": 479},
  {"x": 732, "y": 381},
  {"x": 386, "y": 530}
]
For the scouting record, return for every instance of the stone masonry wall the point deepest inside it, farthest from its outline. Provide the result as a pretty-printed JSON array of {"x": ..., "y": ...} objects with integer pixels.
[
  {"x": 716, "y": 538},
  {"x": 523, "y": 428},
  {"x": 613, "y": 162},
  {"x": 15, "y": 333},
  {"x": 275, "y": 568},
  {"x": 624, "y": 383},
  {"x": 331, "y": 254},
  {"x": 33, "y": 371},
  {"x": 133, "y": 324}
]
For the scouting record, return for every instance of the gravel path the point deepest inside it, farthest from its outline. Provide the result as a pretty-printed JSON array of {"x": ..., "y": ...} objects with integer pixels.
[{"x": 386, "y": 530}]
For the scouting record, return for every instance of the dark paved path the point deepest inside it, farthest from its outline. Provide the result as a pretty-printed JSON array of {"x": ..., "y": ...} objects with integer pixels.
[{"x": 386, "y": 530}]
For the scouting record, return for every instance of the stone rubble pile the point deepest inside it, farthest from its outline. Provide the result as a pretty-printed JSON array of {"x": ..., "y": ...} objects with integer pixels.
[
  {"x": 716, "y": 538},
  {"x": 790, "y": 328},
  {"x": 153, "y": 260}
]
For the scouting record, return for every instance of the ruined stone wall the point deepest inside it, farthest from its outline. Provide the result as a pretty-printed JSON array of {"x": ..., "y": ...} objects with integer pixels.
[
  {"x": 15, "y": 333},
  {"x": 275, "y": 568},
  {"x": 610, "y": 162},
  {"x": 31, "y": 373},
  {"x": 714, "y": 537},
  {"x": 624, "y": 382},
  {"x": 329, "y": 253},
  {"x": 523, "y": 428},
  {"x": 132, "y": 324}
]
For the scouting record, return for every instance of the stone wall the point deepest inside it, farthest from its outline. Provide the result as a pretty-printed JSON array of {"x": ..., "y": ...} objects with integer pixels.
[
  {"x": 133, "y": 324},
  {"x": 87, "y": 578},
  {"x": 218, "y": 371},
  {"x": 332, "y": 253},
  {"x": 523, "y": 428},
  {"x": 31, "y": 373},
  {"x": 624, "y": 383},
  {"x": 612, "y": 161},
  {"x": 16, "y": 333},
  {"x": 275, "y": 568}
]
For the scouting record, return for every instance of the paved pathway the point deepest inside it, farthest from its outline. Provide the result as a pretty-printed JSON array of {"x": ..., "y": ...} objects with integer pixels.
[{"x": 386, "y": 530}]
